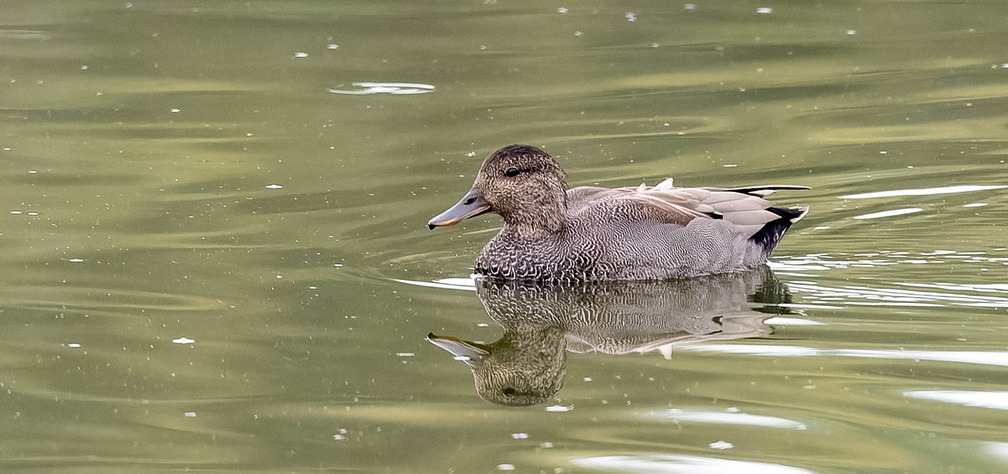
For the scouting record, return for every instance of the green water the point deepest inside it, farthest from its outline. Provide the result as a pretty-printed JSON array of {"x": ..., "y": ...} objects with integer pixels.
[{"x": 214, "y": 252}]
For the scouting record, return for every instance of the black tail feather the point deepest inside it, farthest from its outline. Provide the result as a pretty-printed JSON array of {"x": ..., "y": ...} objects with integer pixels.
[{"x": 772, "y": 231}]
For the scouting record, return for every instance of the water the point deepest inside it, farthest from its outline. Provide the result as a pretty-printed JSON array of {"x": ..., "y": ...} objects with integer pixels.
[{"x": 215, "y": 250}]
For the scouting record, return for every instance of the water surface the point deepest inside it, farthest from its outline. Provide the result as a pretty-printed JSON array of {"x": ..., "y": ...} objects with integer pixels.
[{"x": 215, "y": 253}]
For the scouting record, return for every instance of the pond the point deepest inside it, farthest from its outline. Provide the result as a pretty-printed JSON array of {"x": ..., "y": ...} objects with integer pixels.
[{"x": 215, "y": 253}]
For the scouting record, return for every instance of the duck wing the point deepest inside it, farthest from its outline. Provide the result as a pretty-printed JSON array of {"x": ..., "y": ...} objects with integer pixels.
[{"x": 745, "y": 208}]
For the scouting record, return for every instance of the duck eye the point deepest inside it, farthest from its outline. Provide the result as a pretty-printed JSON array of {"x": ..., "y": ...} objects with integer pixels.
[
  {"x": 512, "y": 172},
  {"x": 509, "y": 391}
]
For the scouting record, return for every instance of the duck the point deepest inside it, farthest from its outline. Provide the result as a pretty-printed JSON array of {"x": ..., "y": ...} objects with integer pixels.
[{"x": 590, "y": 233}]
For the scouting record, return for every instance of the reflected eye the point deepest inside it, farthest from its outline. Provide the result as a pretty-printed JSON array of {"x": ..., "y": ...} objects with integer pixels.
[
  {"x": 512, "y": 172},
  {"x": 509, "y": 391}
]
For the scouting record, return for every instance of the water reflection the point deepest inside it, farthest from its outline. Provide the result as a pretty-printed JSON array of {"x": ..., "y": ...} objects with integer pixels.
[{"x": 542, "y": 324}]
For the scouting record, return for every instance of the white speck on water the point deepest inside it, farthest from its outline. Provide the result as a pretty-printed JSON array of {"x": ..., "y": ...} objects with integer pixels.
[
  {"x": 84, "y": 67},
  {"x": 764, "y": 10},
  {"x": 183, "y": 340},
  {"x": 274, "y": 186},
  {"x": 883, "y": 152},
  {"x": 851, "y": 32},
  {"x": 312, "y": 287},
  {"x": 29, "y": 171},
  {"x": 587, "y": 379},
  {"x": 519, "y": 435},
  {"x": 32, "y": 213},
  {"x": 559, "y": 409},
  {"x": 75, "y": 260},
  {"x": 630, "y": 16},
  {"x": 190, "y": 414},
  {"x": 577, "y": 33},
  {"x": 405, "y": 354},
  {"x": 562, "y": 10},
  {"x": 16, "y": 213},
  {"x": 73, "y": 345},
  {"x": 482, "y": 325},
  {"x": 689, "y": 6},
  {"x": 7, "y": 148},
  {"x": 332, "y": 46},
  {"x": 730, "y": 166},
  {"x": 338, "y": 437},
  {"x": 300, "y": 55},
  {"x": 722, "y": 445},
  {"x": 337, "y": 265},
  {"x": 175, "y": 111},
  {"x": 822, "y": 227},
  {"x": 975, "y": 204},
  {"x": 546, "y": 445},
  {"x": 505, "y": 467}
]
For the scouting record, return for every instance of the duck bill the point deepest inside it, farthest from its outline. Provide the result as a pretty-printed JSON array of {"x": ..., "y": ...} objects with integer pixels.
[
  {"x": 469, "y": 352},
  {"x": 472, "y": 204}
]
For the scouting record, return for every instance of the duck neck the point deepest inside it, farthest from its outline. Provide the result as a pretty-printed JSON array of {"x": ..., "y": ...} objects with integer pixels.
[{"x": 546, "y": 217}]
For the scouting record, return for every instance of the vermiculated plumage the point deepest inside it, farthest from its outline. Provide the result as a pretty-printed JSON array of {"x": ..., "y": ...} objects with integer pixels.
[{"x": 591, "y": 233}]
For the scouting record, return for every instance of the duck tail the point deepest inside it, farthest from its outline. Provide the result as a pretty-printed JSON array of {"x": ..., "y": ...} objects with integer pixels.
[{"x": 771, "y": 232}]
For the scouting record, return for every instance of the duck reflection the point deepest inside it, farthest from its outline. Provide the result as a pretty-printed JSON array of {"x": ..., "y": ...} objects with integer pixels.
[{"x": 526, "y": 366}]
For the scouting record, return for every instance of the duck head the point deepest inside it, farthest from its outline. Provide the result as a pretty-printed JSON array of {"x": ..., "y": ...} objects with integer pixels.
[{"x": 521, "y": 183}]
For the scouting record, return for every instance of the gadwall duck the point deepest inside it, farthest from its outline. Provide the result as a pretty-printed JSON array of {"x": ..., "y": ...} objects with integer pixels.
[{"x": 589, "y": 233}]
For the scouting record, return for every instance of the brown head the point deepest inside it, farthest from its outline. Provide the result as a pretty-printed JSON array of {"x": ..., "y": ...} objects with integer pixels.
[{"x": 523, "y": 184}]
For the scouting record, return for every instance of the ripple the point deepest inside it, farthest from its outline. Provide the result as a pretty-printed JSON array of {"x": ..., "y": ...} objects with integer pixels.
[
  {"x": 890, "y": 213},
  {"x": 680, "y": 464},
  {"x": 995, "y": 400},
  {"x": 922, "y": 191},
  {"x": 466, "y": 284},
  {"x": 965, "y": 357},
  {"x": 729, "y": 417},
  {"x": 395, "y": 88}
]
